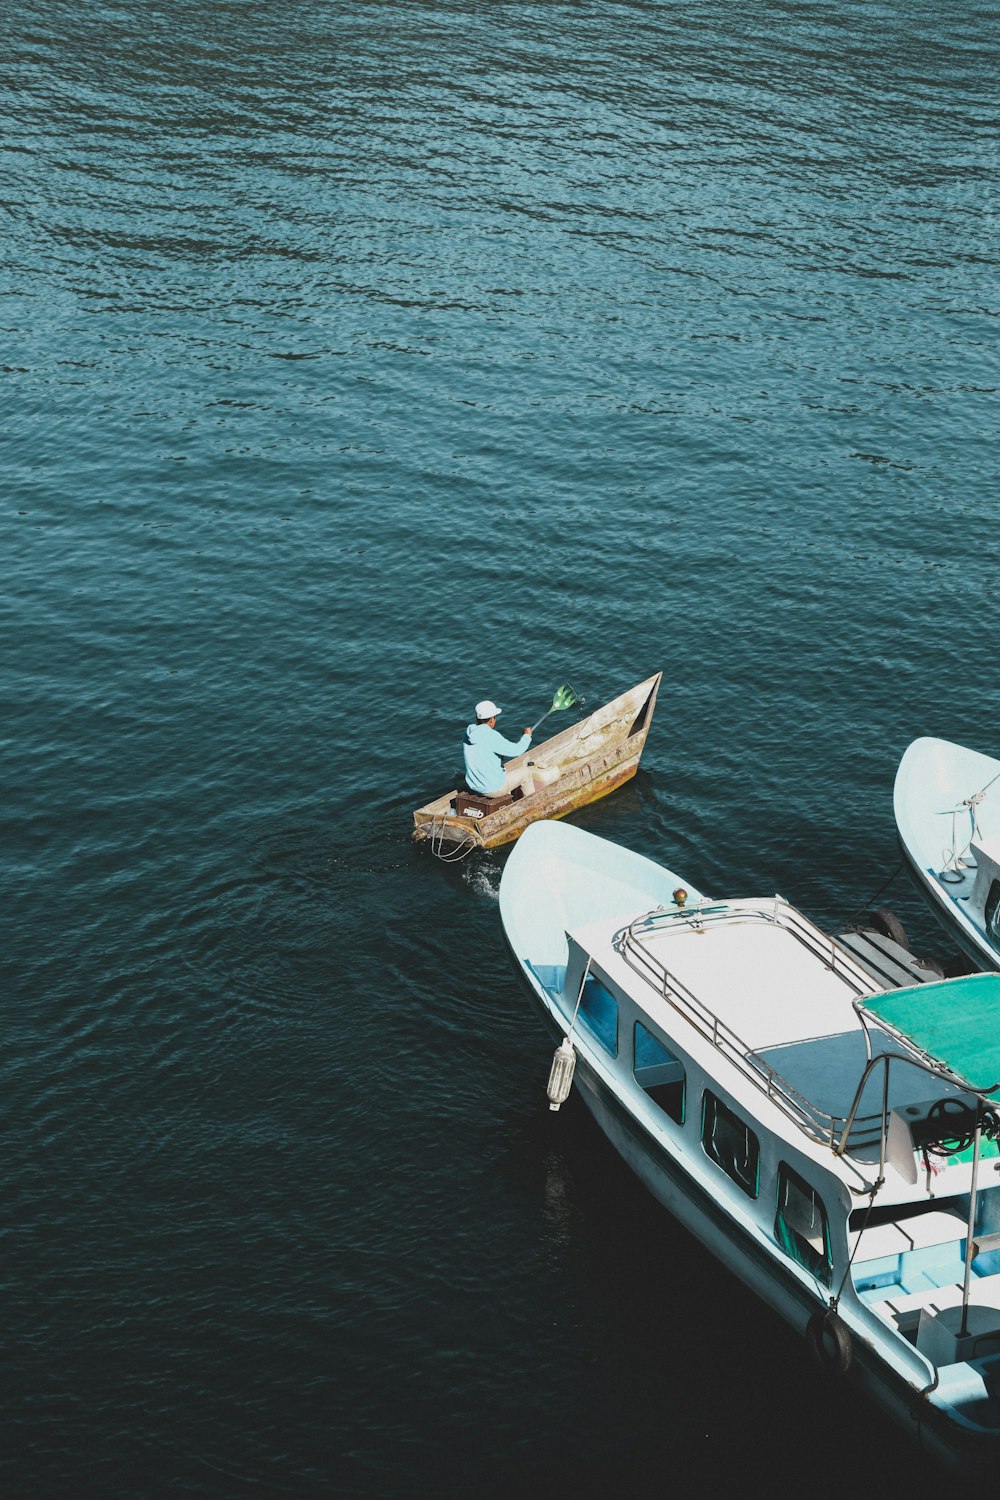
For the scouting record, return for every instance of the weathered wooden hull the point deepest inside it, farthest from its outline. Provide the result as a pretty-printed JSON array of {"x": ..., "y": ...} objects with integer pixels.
[{"x": 591, "y": 759}]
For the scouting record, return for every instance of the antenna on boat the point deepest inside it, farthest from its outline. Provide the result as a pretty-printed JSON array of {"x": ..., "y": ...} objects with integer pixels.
[{"x": 563, "y": 697}]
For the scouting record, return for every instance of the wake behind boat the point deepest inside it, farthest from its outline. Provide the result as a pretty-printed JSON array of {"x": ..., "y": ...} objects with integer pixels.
[
  {"x": 947, "y": 806},
  {"x": 824, "y": 1136},
  {"x": 575, "y": 767}
]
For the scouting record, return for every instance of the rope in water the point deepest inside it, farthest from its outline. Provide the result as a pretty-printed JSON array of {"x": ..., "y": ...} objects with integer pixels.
[{"x": 437, "y": 842}]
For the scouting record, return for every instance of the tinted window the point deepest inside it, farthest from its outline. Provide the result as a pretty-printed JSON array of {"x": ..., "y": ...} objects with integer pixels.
[
  {"x": 659, "y": 1072},
  {"x": 732, "y": 1144},
  {"x": 599, "y": 1013},
  {"x": 993, "y": 910},
  {"x": 800, "y": 1225}
]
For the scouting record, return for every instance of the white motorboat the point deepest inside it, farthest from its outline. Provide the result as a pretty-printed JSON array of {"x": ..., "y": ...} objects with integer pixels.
[
  {"x": 947, "y": 806},
  {"x": 831, "y": 1140}
]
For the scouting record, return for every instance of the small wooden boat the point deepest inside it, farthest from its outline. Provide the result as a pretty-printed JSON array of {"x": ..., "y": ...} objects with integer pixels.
[
  {"x": 831, "y": 1139},
  {"x": 947, "y": 806},
  {"x": 574, "y": 767}
]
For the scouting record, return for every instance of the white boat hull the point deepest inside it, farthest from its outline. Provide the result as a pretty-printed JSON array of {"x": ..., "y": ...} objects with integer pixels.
[{"x": 938, "y": 821}]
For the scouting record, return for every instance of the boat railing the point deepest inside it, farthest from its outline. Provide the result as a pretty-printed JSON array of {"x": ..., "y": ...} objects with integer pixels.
[{"x": 633, "y": 944}]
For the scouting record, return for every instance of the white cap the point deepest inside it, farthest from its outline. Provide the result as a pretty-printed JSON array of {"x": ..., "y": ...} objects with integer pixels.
[{"x": 487, "y": 709}]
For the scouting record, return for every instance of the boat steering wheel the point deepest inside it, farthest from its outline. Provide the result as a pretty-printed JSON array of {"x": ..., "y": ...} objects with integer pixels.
[{"x": 950, "y": 1120}]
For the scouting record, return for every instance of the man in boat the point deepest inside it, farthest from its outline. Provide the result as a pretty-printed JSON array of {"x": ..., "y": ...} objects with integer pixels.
[{"x": 484, "y": 746}]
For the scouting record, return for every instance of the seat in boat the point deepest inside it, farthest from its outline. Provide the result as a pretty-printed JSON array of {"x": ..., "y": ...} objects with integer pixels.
[{"x": 479, "y": 806}]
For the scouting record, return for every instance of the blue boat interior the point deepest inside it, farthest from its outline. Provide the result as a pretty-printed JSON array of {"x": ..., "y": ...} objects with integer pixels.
[
  {"x": 919, "y": 1270},
  {"x": 922, "y": 1252},
  {"x": 552, "y": 977}
]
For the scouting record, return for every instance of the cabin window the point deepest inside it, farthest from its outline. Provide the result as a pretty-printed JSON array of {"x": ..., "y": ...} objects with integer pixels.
[
  {"x": 599, "y": 1013},
  {"x": 992, "y": 912},
  {"x": 731, "y": 1144},
  {"x": 800, "y": 1225},
  {"x": 659, "y": 1072}
]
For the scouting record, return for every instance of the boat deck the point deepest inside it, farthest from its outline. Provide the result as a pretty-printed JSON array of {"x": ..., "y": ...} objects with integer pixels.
[{"x": 891, "y": 966}]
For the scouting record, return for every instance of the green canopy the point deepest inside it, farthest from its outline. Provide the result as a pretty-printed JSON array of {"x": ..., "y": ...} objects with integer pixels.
[{"x": 955, "y": 1021}]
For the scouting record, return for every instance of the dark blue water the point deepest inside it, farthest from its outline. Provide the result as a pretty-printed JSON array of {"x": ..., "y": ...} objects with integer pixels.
[{"x": 360, "y": 362}]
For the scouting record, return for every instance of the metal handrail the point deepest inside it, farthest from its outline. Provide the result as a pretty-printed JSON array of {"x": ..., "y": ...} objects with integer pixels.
[{"x": 631, "y": 944}]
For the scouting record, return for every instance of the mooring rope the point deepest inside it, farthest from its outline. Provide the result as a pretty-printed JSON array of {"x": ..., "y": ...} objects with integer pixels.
[
  {"x": 835, "y": 1300},
  {"x": 872, "y": 899},
  {"x": 955, "y": 857}
]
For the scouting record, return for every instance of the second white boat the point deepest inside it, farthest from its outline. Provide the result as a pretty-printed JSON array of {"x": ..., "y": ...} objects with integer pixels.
[{"x": 947, "y": 806}]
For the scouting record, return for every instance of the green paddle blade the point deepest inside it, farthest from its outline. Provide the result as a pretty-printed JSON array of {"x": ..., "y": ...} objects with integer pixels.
[{"x": 563, "y": 697}]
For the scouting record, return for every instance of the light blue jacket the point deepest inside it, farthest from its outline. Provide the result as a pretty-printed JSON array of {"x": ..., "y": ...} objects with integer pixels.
[{"x": 483, "y": 748}]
